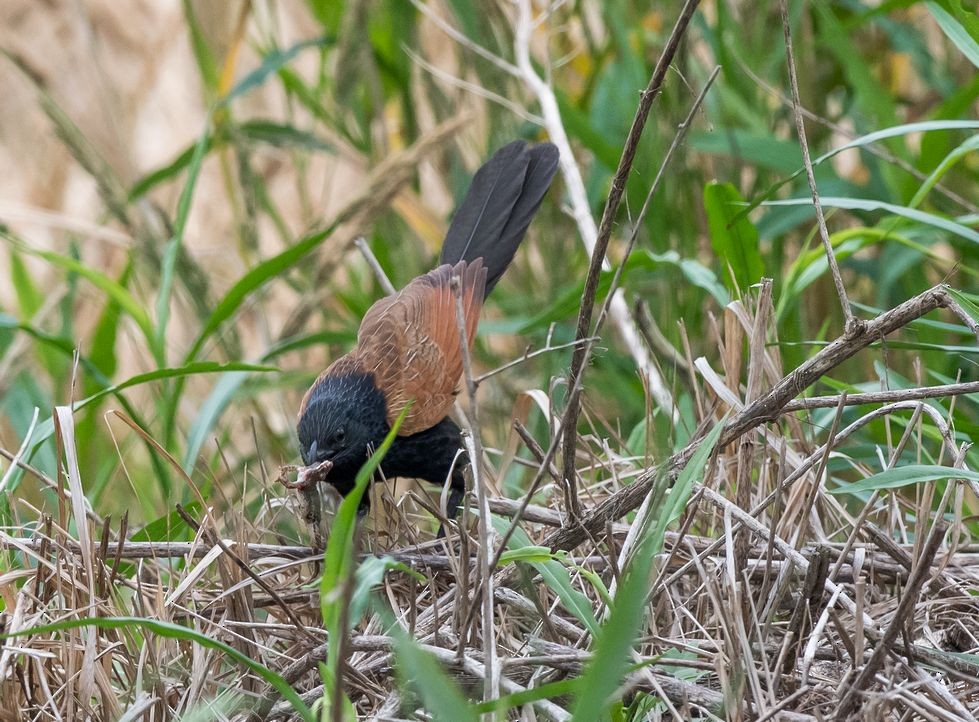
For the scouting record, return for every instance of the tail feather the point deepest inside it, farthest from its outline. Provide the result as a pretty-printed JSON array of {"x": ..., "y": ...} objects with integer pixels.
[{"x": 494, "y": 216}]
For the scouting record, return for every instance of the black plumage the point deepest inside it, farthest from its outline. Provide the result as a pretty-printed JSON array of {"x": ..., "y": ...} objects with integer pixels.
[{"x": 408, "y": 347}]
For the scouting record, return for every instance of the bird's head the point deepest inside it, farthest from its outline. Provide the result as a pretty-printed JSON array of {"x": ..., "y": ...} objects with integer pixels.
[{"x": 342, "y": 421}]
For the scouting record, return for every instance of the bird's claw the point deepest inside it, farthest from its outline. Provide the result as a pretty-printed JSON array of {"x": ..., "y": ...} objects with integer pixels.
[{"x": 305, "y": 476}]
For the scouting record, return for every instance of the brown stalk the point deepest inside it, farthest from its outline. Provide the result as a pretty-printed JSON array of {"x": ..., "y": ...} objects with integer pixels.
[
  {"x": 852, "y": 324},
  {"x": 601, "y": 245},
  {"x": 767, "y": 408},
  {"x": 905, "y": 608}
]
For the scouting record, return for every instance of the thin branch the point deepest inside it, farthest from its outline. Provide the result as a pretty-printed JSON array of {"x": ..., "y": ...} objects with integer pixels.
[
  {"x": 491, "y": 681},
  {"x": 875, "y": 149},
  {"x": 909, "y": 598},
  {"x": 851, "y": 322},
  {"x": 570, "y": 428},
  {"x": 883, "y": 397},
  {"x": 767, "y": 408},
  {"x": 375, "y": 265},
  {"x": 528, "y": 354}
]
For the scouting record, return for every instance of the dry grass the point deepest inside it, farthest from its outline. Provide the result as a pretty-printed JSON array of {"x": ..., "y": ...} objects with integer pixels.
[
  {"x": 777, "y": 594},
  {"x": 784, "y": 603}
]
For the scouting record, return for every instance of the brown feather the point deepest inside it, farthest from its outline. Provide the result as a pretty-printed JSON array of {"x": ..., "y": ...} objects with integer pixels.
[{"x": 410, "y": 343}]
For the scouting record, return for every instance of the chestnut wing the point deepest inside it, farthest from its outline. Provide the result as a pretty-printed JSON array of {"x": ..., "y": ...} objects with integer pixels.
[{"x": 410, "y": 342}]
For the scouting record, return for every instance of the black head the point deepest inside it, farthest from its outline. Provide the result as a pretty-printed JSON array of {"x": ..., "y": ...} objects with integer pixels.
[{"x": 343, "y": 420}]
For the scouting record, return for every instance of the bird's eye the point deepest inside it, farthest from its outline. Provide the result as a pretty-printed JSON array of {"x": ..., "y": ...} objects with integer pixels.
[{"x": 339, "y": 436}]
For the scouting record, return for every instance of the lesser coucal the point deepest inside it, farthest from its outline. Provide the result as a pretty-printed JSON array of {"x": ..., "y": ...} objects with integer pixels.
[{"x": 408, "y": 346}]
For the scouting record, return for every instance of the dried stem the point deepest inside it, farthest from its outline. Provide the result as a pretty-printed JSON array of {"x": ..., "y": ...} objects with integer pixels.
[
  {"x": 767, "y": 408},
  {"x": 852, "y": 324},
  {"x": 570, "y": 421},
  {"x": 883, "y": 397},
  {"x": 492, "y": 678}
]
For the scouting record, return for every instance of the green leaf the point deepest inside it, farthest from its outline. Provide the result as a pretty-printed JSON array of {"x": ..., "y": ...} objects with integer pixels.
[
  {"x": 527, "y": 554},
  {"x": 370, "y": 573},
  {"x": 111, "y": 288},
  {"x": 251, "y": 281},
  {"x": 172, "y": 250},
  {"x": 676, "y": 500},
  {"x": 870, "y": 94},
  {"x": 440, "y": 695},
  {"x": 579, "y": 126},
  {"x": 29, "y": 298},
  {"x": 103, "y": 350},
  {"x": 171, "y": 170},
  {"x": 694, "y": 271},
  {"x": 206, "y": 63},
  {"x": 283, "y": 136},
  {"x": 862, "y": 204},
  {"x": 548, "y": 690},
  {"x": 169, "y": 527},
  {"x": 176, "y": 631},
  {"x": 555, "y": 576},
  {"x": 735, "y": 241},
  {"x": 755, "y": 148},
  {"x": 905, "y": 476},
  {"x": 46, "y": 428},
  {"x": 209, "y": 413},
  {"x": 894, "y": 131},
  {"x": 271, "y": 64},
  {"x": 960, "y": 26}
]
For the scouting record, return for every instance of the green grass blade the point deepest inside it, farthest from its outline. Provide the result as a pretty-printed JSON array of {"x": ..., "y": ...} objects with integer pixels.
[
  {"x": 960, "y": 26},
  {"x": 613, "y": 645},
  {"x": 29, "y": 297},
  {"x": 440, "y": 696},
  {"x": 735, "y": 241},
  {"x": 176, "y": 631},
  {"x": 46, "y": 428},
  {"x": 209, "y": 413},
  {"x": 149, "y": 181},
  {"x": 864, "y": 204},
  {"x": 554, "y": 575},
  {"x": 280, "y": 135},
  {"x": 101, "y": 281},
  {"x": 172, "y": 251},
  {"x": 272, "y": 62},
  {"x": 894, "y": 131},
  {"x": 206, "y": 64},
  {"x": 549, "y": 690},
  {"x": 418, "y": 670},
  {"x": 255, "y": 278},
  {"x": 338, "y": 559},
  {"x": 906, "y": 476}
]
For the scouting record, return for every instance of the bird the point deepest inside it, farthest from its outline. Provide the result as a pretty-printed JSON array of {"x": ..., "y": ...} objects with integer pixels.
[{"x": 408, "y": 353}]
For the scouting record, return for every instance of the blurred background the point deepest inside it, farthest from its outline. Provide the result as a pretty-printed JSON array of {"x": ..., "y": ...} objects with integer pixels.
[{"x": 184, "y": 182}]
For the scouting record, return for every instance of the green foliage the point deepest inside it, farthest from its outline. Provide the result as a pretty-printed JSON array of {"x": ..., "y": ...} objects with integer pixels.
[
  {"x": 904, "y": 476},
  {"x": 735, "y": 241},
  {"x": 202, "y": 363},
  {"x": 175, "y": 631}
]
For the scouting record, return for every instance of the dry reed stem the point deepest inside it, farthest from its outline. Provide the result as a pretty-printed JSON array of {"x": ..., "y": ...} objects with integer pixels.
[{"x": 766, "y": 408}]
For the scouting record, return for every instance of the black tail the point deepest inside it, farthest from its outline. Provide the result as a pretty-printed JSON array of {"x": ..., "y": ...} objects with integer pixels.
[{"x": 502, "y": 200}]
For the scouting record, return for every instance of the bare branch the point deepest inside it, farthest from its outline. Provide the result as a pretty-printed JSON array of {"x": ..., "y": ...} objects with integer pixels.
[
  {"x": 767, "y": 408},
  {"x": 883, "y": 397},
  {"x": 851, "y": 321}
]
